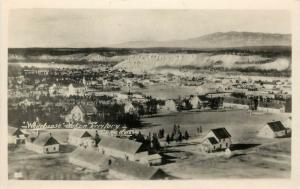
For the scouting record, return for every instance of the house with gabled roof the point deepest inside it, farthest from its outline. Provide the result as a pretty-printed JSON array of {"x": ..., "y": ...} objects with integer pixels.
[
  {"x": 80, "y": 137},
  {"x": 123, "y": 148},
  {"x": 82, "y": 113},
  {"x": 15, "y": 136},
  {"x": 43, "y": 143},
  {"x": 273, "y": 129},
  {"x": 216, "y": 139}
]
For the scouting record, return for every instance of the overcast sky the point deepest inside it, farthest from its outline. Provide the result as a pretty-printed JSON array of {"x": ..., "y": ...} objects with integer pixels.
[{"x": 96, "y": 28}]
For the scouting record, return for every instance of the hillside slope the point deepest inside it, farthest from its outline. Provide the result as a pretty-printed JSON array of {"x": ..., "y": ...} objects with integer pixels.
[
  {"x": 218, "y": 40},
  {"x": 153, "y": 62}
]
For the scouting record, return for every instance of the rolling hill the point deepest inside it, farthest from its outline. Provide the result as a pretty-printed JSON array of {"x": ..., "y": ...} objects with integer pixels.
[{"x": 218, "y": 40}]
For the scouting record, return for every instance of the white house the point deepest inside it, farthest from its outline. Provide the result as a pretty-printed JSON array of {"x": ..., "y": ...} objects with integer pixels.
[
  {"x": 273, "y": 129},
  {"x": 170, "y": 106},
  {"x": 15, "y": 136},
  {"x": 128, "y": 108},
  {"x": 81, "y": 113},
  {"x": 53, "y": 90},
  {"x": 80, "y": 137},
  {"x": 216, "y": 139},
  {"x": 43, "y": 143},
  {"x": 195, "y": 102}
]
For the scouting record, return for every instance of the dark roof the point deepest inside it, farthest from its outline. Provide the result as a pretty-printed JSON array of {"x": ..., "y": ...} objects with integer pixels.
[
  {"x": 80, "y": 133},
  {"x": 221, "y": 133},
  {"x": 212, "y": 140},
  {"x": 77, "y": 85},
  {"x": 125, "y": 145},
  {"x": 45, "y": 139},
  {"x": 13, "y": 131},
  {"x": 88, "y": 108},
  {"x": 276, "y": 126},
  {"x": 137, "y": 170}
]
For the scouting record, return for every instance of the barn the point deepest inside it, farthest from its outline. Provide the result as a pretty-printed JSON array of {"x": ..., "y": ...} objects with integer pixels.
[
  {"x": 43, "y": 143},
  {"x": 80, "y": 137},
  {"x": 273, "y": 129},
  {"x": 122, "y": 148}
]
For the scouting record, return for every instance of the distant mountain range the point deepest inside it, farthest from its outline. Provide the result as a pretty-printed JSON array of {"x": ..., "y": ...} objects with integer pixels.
[{"x": 217, "y": 40}]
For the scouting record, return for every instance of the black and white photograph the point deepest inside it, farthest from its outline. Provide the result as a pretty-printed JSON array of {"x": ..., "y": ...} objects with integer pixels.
[{"x": 149, "y": 94}]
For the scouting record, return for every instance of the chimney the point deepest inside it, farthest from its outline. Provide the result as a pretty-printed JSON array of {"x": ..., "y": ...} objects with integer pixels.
[
  {"x": 50, "y": 134},
  {"x": 37, "y": 132}
]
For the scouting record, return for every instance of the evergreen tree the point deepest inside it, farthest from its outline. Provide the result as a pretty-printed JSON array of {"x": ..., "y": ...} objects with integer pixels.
[
  {"x": 179, "y": 137},
  {"x": 186, "y": 135},
  {"x": 168, "y": 139},
  {"x": 97, "y": 138}
]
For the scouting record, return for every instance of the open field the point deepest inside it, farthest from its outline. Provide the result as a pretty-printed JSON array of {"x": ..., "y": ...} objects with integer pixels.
[
  {"x": 261, "y": 158},
  {"x": 239, "y": 123},
  {"x": 250, "y": 164},
  {"x": 254, "y": 157}
]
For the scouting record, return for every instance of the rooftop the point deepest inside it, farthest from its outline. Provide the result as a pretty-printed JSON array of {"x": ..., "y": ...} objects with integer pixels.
[
  {"x": 137, "y": 170},
  {"x": 276, "y": 126},
  {"x": 125, "y": 145},
  {"x": 221, "y": 133},
  {"x": 45, "y": 139}
]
